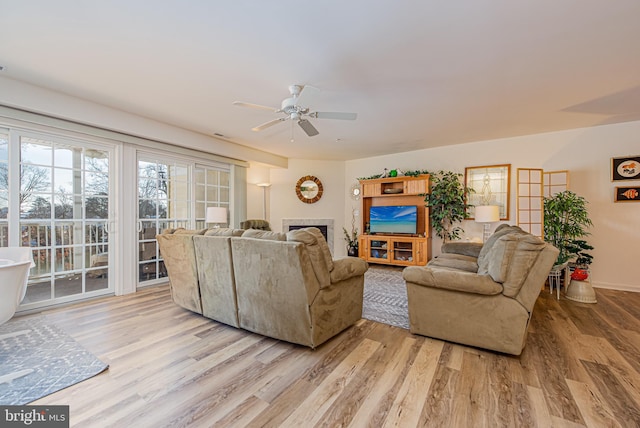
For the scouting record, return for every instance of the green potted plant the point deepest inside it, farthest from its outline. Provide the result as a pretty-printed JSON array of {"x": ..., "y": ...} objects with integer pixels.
[
  {"x": 566, "y": 221},
  {"x": 351, "y": 238},
  {"x": 352, "y": 241},
  {"x": 447, "y": 204}
]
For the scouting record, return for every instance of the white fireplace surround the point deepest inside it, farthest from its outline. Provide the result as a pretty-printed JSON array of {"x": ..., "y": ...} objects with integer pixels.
[{"x": 310, "y": 222}]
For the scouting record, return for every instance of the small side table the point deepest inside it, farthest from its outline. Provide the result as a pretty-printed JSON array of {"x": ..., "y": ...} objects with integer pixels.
[{"x": 555, "y": 277}]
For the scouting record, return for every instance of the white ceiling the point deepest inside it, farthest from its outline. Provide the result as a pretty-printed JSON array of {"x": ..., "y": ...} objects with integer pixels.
[{"x": 418, "y": 73}]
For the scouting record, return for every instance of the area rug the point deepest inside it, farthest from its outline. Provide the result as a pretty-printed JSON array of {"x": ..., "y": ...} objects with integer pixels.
[
  {"x": 38, "y": 359},
  {"x": 385, "y": 296}
]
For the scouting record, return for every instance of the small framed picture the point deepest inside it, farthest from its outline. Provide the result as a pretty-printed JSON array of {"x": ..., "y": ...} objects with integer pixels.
[
  {"x": 625, "y": 168},
  {"x": 627, "y": 194}
]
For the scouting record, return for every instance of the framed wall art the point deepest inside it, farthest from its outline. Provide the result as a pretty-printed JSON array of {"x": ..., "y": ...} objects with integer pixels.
[
  {"x": 491, "y": 185},
  {"x": 625, "y": 168},
  {"x": 627, "y": 194}
]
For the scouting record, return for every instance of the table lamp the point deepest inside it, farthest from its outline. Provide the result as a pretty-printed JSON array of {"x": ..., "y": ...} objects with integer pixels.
[
  {"x": 216, "y": 215},
  {"x": 487, "y": 214}
]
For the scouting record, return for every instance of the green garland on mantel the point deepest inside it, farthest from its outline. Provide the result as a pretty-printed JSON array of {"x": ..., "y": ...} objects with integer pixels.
[{"x": 413, "y": 173}]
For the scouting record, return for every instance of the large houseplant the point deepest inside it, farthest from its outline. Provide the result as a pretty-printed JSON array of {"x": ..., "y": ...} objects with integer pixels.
[
  {"x": 566, "y": 221},
  {"x": 447, "y": 204}
]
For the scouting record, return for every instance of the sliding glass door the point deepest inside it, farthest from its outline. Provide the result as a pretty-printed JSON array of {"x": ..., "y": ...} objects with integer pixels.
[
  {"x": 166, "y": 189},
  {"x": 64, "y": 195},
  {"x": 60, "y": 210},
  {"x": 163, "y": 202}
]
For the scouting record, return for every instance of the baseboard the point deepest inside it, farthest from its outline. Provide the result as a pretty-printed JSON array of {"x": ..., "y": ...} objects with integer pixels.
[{"x": 620, "y": 287}]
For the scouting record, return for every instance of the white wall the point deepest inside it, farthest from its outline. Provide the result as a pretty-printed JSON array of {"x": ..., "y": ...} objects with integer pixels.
[
  {"x": 586, "y": 153},
  {"x": 285, "y": 204}
]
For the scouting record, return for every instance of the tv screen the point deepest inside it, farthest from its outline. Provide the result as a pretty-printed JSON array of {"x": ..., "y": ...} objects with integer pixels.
[{"x": 393, "y": 219}]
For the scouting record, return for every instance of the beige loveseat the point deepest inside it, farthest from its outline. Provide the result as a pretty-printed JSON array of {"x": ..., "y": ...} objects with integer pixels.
[
  {"x": 480, "y": 295},
  {"x": 285, "y": 286}
]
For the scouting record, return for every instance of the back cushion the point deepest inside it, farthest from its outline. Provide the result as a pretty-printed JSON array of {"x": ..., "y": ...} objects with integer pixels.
[
  {"x": 510, "y": 259},
  {"x": 264, "y": 234},
  {"x": 183, "y": 231},
  {"x": 503, "y": 229},
  {"x": 224, "y": 231},
  {"x": 316, "y": 245}
]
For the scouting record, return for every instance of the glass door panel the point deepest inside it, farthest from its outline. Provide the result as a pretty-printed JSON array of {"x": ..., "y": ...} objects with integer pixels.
[
  {"x": 211, "y": 190},
  {"x": 64, "y": 212},
  {"x": 164, "y": 201}
]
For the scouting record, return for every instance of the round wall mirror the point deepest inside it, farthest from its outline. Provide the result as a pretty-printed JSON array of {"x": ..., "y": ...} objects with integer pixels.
[{"x": 309, "y": 189}]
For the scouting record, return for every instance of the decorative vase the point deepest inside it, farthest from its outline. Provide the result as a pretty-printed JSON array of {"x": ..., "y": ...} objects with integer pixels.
[
  {"x": 352, "y": 251},
  {"x": 581, "y": 291}
]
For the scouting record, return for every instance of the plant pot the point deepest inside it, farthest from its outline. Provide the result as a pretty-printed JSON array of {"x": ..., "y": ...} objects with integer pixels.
[
  {"x": 581, "y": 291},
  {"x": 352, "y": 251}
]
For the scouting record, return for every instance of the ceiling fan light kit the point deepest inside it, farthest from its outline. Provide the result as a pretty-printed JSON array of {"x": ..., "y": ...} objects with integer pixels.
[{"x": 295, "y": 108}]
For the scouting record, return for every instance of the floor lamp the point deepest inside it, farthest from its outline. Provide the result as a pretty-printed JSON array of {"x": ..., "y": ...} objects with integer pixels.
[
  {"x": 487, "y": 214},
  {"x": 264, "y": 198}
]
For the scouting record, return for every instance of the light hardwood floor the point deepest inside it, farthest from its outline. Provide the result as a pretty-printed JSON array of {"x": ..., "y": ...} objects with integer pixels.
[{"x": 170, "y": 367}]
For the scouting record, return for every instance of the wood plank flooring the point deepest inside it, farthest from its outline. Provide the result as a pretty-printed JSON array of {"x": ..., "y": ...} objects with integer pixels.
[{"x": 170, "y": 367}]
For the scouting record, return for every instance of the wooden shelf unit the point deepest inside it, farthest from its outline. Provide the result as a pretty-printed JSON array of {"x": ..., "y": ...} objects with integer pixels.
[{"x": 400, "y": 250}]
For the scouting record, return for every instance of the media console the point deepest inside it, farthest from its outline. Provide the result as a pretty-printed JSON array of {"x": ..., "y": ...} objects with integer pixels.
[{"x": 402, "y": 250}]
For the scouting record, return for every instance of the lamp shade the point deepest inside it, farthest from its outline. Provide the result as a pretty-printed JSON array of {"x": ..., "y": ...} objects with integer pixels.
[
  {"x": 487, "y": 213},
  {"x": 216, "y": 215}
]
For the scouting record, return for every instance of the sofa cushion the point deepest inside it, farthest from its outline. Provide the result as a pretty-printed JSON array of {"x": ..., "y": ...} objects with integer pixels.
[
  {"x": 264, "y": 234},
  {"x": 316, "y": 244},
  {"x": 471, "y": 249},
  {"x": 224, "y": 231},
  {"x": 183, "y": 231},
  {"x": 510, "y": 259},
  {"x": 455, "y": 261},
  {"x": 503, "y": 229},
  {"x": 447, "y": 279}
]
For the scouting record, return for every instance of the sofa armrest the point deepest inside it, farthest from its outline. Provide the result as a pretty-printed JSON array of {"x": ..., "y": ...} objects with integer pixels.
[
  {"x": 471, "y": 249},
  {"x": 452, "y": 280},
  {"x": 347, "y": 267}
]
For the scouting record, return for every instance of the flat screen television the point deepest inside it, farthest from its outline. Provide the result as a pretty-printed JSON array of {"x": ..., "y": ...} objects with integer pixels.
[{"x": 394, "y": 219}]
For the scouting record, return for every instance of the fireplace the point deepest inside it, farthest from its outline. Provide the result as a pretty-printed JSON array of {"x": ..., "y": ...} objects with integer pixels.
[{"x": 324, "y": 224}]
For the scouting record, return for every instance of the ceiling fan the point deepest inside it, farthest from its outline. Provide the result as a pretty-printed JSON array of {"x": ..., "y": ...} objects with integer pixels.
[{"x": 295, "y": 108}]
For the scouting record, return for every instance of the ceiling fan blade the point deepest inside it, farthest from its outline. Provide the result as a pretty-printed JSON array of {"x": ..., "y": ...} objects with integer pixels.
[
  {"x": 268, "y": 124},
  {"x": 308, "y": 127},
  {"x": 307, "y": 95},
  {"x": 333, "y": 115},
  {"x": 258, "y": 106}
]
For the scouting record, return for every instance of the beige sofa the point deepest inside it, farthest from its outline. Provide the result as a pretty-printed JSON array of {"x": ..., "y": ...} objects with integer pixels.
[
  {"x": 285, "y": 286},
  {"x": 480, "y": 295}
]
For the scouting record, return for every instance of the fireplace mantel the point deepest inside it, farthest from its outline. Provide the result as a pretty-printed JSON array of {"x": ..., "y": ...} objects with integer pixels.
[{"x": 311, "y": 222}]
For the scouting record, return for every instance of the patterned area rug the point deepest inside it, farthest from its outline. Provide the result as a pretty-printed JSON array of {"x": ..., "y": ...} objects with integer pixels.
[
  {"x": 385, "y": 296},
  {"x": 38, "y": 359}
]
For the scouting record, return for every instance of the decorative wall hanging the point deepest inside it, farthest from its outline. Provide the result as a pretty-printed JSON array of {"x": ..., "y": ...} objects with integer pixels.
[
  {"x": 627, "y": 194},
  {"x": 309, "y": 189},
  {"x": 625, "y": 168},
  {"x": 491, "y": 185}
]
